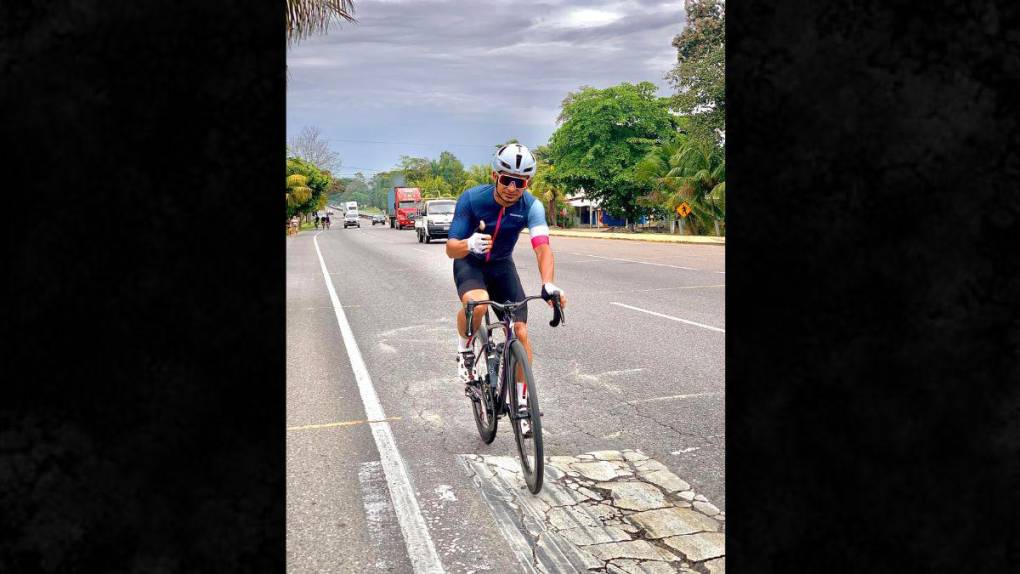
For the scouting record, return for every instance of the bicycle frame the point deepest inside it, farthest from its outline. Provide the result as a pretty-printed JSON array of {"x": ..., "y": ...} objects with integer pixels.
[{"x": 507, "y": 324}]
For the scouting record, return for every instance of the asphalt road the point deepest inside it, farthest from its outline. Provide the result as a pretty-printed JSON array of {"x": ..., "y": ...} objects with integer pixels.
[{"x": 639, "y": 365}]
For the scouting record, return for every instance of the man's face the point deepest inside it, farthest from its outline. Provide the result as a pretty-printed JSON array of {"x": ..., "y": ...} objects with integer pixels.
[{"x": 507, "y": 189}]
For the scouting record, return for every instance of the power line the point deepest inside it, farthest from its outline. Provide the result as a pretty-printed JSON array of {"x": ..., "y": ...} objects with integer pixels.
[
  {"x": 491, "y": 146},
  {"x": 359, "y": 168}
]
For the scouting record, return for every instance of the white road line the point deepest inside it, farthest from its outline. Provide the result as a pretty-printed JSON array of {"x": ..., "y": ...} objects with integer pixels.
[
  {"x": 702, "y": 325},
  {"x": 422, "y": 250},
  {"x": 643, "y": 262},
  {"x": 420, "y": 548},
  {"x": 378, "y": 510}
]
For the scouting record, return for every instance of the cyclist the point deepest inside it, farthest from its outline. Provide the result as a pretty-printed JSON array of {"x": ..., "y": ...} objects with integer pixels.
[{"x": 483, "y": 266}]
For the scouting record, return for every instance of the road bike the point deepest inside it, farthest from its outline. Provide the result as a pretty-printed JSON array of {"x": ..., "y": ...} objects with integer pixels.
[{"x": 494, "y": 353}]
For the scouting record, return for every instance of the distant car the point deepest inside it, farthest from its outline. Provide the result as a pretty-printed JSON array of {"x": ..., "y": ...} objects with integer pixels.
[
  {"x": 378, "y": 219},
  {"x": 351, "y": 219}
]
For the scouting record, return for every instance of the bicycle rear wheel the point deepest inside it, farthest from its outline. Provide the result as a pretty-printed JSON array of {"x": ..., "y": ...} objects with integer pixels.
[
  {"x": 484, "y": 408},
  {"x": 529, "y": 448}
]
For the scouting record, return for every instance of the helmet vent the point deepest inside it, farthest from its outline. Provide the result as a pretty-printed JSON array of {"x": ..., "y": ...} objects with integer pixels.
[{"x": 519, "y": 156}]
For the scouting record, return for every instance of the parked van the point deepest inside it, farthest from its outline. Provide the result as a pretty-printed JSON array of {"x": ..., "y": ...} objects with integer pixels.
[{"x": 434, "y": 220}]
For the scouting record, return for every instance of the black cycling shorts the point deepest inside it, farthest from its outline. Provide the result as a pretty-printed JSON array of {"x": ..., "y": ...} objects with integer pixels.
[{"x": 498, "y": 277}]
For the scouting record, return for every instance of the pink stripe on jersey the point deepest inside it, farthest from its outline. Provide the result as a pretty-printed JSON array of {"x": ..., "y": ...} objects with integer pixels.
[
  {"x": 539, "y": 240},
  {"x": 498, "y": 222}
]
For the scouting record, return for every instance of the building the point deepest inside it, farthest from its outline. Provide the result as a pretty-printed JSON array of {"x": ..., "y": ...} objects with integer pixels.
[{"x": 586, "y": 212}]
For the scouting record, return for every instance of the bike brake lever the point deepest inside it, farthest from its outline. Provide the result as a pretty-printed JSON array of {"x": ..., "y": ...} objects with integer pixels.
[{"x": 558, "y": 316}]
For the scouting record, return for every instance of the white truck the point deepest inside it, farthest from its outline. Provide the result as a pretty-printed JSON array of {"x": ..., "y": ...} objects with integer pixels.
[
  {"x": 351, "y": 206},
  {"x": 433, "y": 221}
]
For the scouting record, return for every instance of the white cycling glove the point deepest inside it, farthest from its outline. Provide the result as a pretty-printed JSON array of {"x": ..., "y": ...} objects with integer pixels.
[{"x": 476, "y": 243}]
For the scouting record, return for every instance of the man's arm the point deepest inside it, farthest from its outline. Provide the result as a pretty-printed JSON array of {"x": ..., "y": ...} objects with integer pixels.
[
  {"x": 460, "y": 229},
  {"x": 546, "y": 265},
  {"x": 547, "y": 269},
  {"x": 540, "y": 243},
  {"x": 456, "y": 248}
]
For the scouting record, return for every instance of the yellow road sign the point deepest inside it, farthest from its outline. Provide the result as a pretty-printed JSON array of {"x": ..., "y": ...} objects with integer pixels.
[{"x": 683, "y": 210}]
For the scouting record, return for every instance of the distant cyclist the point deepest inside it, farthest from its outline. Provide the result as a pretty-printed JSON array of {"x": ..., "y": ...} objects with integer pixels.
[{"x": 483, "y": 267}]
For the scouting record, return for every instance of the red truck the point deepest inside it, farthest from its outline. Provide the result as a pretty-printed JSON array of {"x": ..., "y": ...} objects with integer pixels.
[{"x": 401, "y": 205}]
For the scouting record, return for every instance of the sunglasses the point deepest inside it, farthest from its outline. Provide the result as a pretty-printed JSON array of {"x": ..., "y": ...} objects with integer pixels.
[{"x": 519, "y": 182}]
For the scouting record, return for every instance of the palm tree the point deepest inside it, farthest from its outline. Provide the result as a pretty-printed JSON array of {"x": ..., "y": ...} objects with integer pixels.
[
  {"x": 653, "y": 173},
  {"x": 307, "y": 17},
  {"x": 700, "y": 167},
  {"x": 687, "y": 169},
  {"x": 542, "y": 186}
]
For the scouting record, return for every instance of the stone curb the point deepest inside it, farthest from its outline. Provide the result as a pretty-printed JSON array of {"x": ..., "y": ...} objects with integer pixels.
[
  {"x": 609, "y": 511},
  {"x": 654, "y": 238}
]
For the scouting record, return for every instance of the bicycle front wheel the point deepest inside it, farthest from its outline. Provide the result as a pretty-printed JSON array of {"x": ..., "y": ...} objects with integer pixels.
[
  {"x": 484, "y": 408},
  {"x": 529, "y": 448}
]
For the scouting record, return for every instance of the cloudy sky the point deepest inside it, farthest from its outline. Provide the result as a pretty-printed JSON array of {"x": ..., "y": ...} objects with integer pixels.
[{"x": 416, "y": 77}]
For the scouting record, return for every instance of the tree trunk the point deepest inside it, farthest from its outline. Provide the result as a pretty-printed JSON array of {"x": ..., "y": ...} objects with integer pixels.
[{"x": 717, "y": 227}]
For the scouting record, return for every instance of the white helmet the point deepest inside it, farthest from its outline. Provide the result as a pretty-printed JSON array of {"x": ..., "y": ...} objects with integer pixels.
[{"x": 514, "y": 159}]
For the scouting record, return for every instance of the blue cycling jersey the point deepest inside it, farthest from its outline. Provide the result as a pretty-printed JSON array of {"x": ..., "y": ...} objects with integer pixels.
[{"x": 504, "y": 224}]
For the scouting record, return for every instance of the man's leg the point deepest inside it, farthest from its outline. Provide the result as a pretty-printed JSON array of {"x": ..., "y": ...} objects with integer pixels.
[
  {"x": 472, "y": 295},
  {"x": 521, "y": 329},
  {"x": 470, "y": 282},
  {"x": 505, "y": 285}
]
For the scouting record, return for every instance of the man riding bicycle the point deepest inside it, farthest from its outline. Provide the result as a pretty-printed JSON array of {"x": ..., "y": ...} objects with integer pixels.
[{"x": 483, "y": 266}]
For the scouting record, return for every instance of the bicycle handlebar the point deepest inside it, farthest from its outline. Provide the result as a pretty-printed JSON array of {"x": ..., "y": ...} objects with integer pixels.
[{"x": 558, "y": 316}]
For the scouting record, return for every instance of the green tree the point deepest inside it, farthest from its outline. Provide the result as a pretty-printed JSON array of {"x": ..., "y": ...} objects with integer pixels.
[
  {"x": 307, "y": 17},
  {"x": 691, "y": 169},
  {"x": 356, "y": 186},
  {"x": 450, "y": 169},
  {"x": 308, "y": 192},
  {"x": 602, "y": 136},
  {"x": 415, "y": 168},
  {"x": 433, "y": 186},
  {"x": 382, "y": 182},
  {"x": 298, "y": 193},
  {"x": 477, "y": 174},
  {"x": 543, "y": 154},
  {"x": 544, "y": 187},
  {"x": 700, "y": 73}
]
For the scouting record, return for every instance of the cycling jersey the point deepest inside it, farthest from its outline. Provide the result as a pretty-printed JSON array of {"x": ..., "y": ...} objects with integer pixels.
[{"x": 504, "y": 224}]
